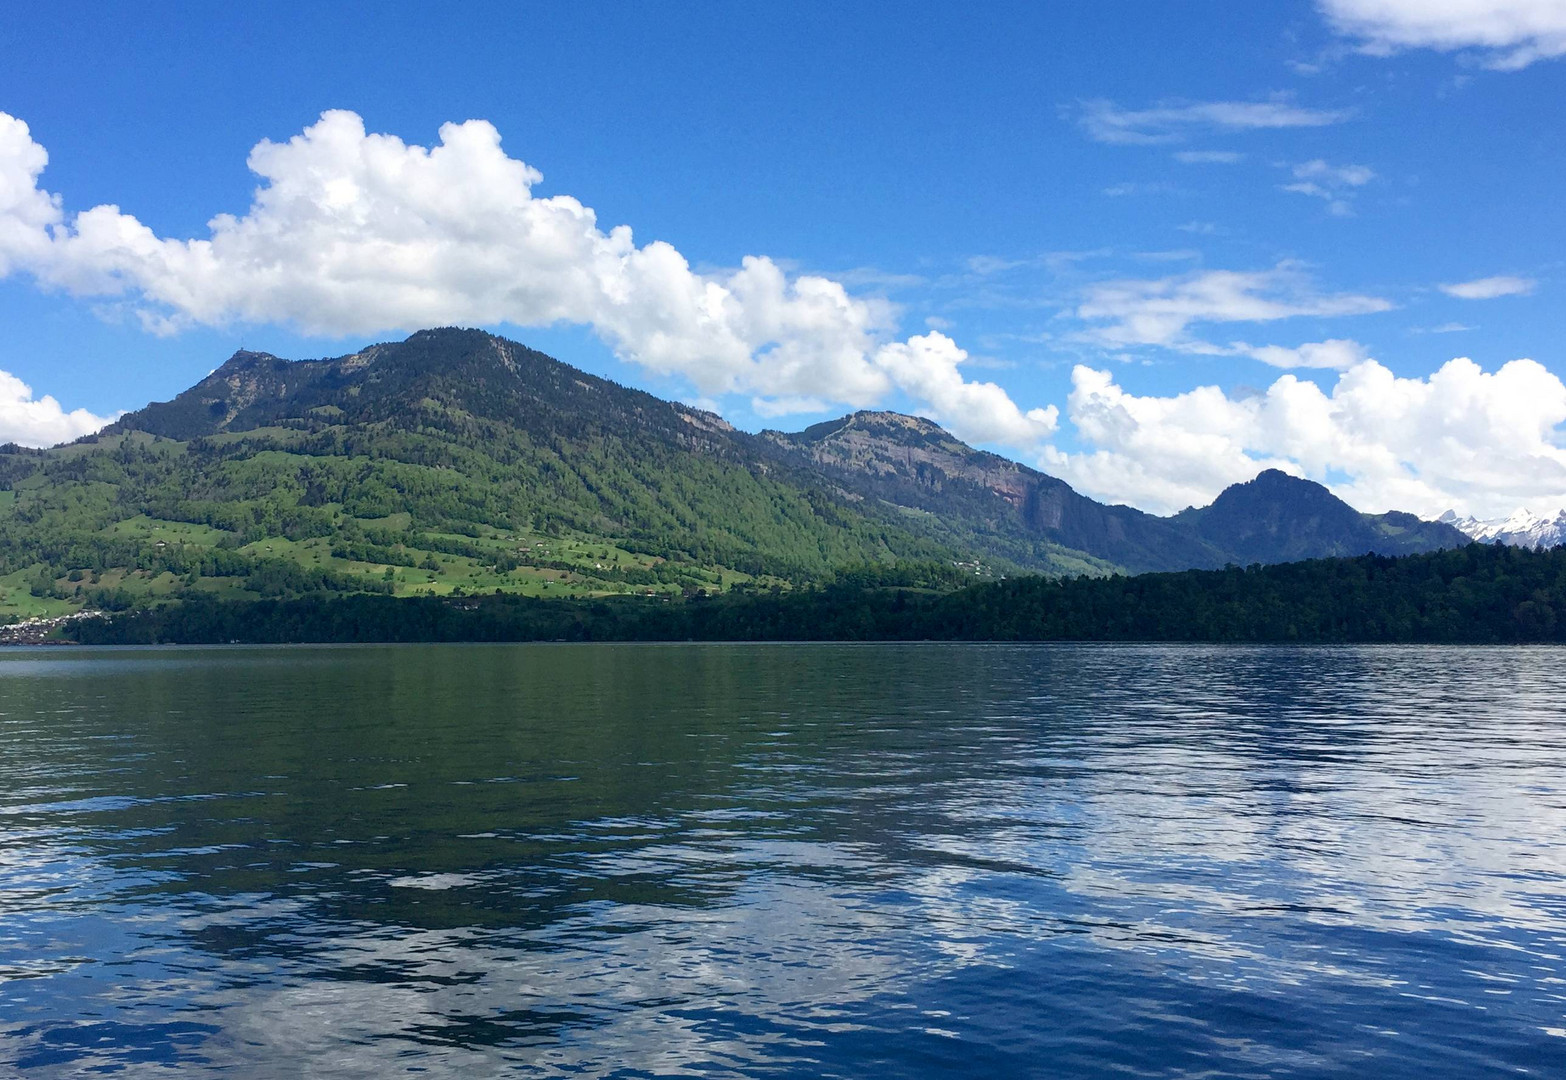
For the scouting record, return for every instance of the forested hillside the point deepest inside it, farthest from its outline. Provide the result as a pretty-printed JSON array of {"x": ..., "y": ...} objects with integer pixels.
[
  {"x": 453, "y": 462},
  {"x": 1477, "y": 594},
  {"x": 457, "y": 462}
]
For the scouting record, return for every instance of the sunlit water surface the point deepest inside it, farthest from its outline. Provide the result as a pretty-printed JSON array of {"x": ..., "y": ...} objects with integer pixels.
[{"x": 783, "y": 861}]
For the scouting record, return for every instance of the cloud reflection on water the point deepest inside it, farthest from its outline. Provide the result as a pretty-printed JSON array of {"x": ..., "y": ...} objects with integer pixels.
[{"x": 969, "y": 855}]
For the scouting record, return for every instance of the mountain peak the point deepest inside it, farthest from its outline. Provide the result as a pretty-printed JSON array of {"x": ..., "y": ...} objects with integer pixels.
[
  {"x": 450, "y": 375},
  {"x": 1276, "y": 517},
  {"x": 881, "y": 424},
  {"x": 445, "y": 334},
  {"x": 1276, "y": 486},
  {"x": 244, "y": 360},
  {"x": 1522, "y": 518},
  {"x": 887, "y": 418},
  {"x": 1278, "y": 479}
]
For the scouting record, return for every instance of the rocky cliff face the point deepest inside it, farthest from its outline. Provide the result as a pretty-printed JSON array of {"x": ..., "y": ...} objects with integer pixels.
[
  {"x": 893, "y": 446},
  {"x": 913, "y": 462},
  {"x": 213, "y": 404}
]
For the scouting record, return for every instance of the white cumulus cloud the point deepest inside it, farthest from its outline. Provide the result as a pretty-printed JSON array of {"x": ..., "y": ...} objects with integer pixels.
[
  {"x": 1482, "y": 442},
  {"x": 927, "y": 366},
  {"x": 1507, "y": 34},
  {"x": 40, "y": 421},
  {"x": 357, "y": 233},
  {"x": 1489, "y": 288},
  {"x": 25, "y": 212}
]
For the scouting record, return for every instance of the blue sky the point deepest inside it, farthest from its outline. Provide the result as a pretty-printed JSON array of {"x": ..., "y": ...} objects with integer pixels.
[{"x": 1151, "y": 248}]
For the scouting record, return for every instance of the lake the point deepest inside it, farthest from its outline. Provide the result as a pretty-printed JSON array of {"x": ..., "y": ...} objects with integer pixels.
[{"x": 783, "y": 861}]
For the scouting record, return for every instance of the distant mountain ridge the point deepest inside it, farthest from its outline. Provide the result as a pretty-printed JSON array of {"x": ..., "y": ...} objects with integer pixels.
[
  {"x": 913, "y": 462},
  {"x": 1281, "y": 518},
  {"x": 456, "y": 459},
  {"x": 1274, "y": 518},
  {"x": 1522, "y": 528},
  {"x": 972, "y": 500}
]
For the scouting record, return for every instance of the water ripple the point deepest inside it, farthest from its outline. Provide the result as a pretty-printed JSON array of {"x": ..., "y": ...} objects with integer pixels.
[{"x": 1065, "y": 861}]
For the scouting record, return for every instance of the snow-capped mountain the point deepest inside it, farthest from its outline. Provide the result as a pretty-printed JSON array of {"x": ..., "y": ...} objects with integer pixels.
[{"x": 1522, "y": 529}]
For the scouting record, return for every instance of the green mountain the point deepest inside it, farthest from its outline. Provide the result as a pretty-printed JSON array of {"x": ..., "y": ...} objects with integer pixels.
[
  {"x": 454, "y": 461},
  {"x": 1281, "y": 518},
  {"x": 993, "y": 504},
  {"x": 457, "y": 462}
]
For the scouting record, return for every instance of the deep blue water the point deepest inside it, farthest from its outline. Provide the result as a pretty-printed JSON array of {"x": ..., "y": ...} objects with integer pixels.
[{"x": 769, "y": 861}]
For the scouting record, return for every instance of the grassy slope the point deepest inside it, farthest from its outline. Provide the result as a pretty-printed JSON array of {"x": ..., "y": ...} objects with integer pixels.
[
  {"x": 280, "y": 512},
  {"x": 453, "y": 461},
  {"x": 1476, "y": 594}
]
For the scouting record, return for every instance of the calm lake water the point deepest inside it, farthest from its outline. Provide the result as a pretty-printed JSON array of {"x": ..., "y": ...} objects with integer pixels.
[{"x": 847, "y": 861}]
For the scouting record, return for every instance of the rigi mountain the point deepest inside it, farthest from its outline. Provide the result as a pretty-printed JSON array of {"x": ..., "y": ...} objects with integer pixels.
[{"x": 458, "y": 462}]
